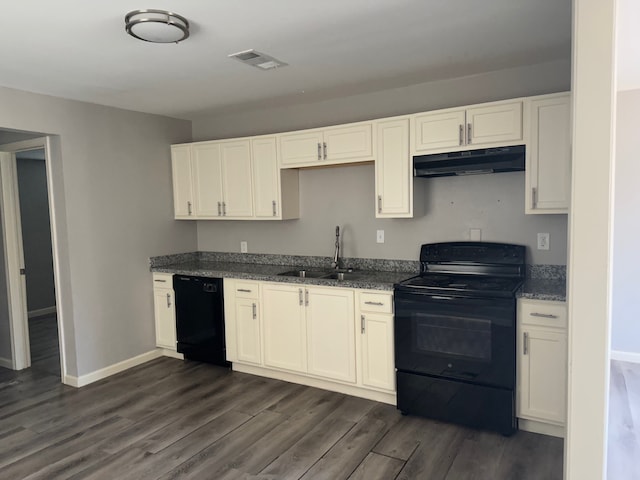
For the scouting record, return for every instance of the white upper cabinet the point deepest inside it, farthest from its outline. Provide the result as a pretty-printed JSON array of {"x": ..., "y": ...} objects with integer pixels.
[
  {"x": 328, "y": 146},
  {"x": 548, "y": 176},
  {"x": 275, "y": 191},
  {"x": 236, "y": 179},
  {"x": 394, "y": 178},
  {"x": 207, "y": 179},
  {"x": 491, "y": 124},
  {"x": 182, "y": 181}
]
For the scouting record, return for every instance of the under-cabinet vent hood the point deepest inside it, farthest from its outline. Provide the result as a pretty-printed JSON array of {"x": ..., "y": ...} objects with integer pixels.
[{"x": 471, "y": 162}]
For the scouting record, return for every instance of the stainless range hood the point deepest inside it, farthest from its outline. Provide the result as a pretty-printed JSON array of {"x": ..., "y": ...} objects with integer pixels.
[{"x": 470, "y": 162}]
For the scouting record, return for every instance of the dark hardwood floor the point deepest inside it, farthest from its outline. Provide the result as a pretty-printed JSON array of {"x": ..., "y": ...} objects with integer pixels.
[
  {"x": 623, "y": 461},
  {"x": 170, "y": 419},
  {"x": 43, "y": 341}
]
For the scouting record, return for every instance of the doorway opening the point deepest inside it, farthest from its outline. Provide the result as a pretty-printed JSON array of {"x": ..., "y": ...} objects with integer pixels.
[{"x": 27, "y": 267}]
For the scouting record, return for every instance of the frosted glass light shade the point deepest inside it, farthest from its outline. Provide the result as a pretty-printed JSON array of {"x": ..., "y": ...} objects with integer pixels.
[{"x": 156, "y": 26}]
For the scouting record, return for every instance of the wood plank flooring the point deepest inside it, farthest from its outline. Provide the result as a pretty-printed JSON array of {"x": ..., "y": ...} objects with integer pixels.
[
  {"x": 169, "y": 419},
  {"x": 43, "y": 342},
  {"x": 623, "y": 460}
]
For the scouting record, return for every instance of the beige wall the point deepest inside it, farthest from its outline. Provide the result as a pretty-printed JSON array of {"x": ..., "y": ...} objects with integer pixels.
[
  {"x": 112, "y": 194},
  {"x": 345, "y": 195}
]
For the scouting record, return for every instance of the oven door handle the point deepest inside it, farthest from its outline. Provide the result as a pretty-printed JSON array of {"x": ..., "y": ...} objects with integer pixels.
[{"x": 441, "y": 297}]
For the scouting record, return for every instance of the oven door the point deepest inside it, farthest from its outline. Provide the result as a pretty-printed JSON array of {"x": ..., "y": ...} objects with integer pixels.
[{"x": 456, "y": 337}]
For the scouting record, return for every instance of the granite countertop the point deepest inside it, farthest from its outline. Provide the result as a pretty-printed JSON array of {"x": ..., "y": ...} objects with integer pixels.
[
  {"x": 544, "y": 289},
  {"x": 544, "y": 282},
  {"x": 368, "y": 279}
]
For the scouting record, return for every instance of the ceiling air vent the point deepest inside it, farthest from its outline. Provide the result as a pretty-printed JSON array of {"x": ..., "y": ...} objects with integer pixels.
[{"x": 258, "y": 60}]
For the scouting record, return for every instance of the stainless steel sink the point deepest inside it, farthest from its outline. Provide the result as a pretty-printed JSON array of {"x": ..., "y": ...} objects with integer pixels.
[
  {"x": 343, "y": 276},
  {"x": 304, "y": 273}
]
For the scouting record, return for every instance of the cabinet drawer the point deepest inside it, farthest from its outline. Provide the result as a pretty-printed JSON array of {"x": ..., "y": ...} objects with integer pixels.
[
  {"x": 246, "y": 289},
  {"x": 542, "y": 313},
  {"x": 376, "y": 302},
  {"x": 163, "y": 280}
]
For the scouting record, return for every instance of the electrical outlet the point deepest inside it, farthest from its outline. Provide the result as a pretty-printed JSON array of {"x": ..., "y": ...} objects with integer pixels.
[
  {"x": 543, "y": 241},
  {"x": 475, "y": 234},
  {"x": 243, "y": 247},
  {"x": 380, "y": 236}
]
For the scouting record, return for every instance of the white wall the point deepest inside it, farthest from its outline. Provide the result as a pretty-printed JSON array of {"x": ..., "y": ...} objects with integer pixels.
[
  {"x": 625, "y": 327},
  {"x": 112, "y": 192},
  {"x": 345, "y": 195}
]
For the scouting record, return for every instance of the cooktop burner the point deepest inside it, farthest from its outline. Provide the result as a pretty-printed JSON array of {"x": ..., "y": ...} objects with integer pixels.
[{"x": 444, "y": 283}]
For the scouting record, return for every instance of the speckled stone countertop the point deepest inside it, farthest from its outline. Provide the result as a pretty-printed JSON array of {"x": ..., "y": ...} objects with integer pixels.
[
  {"x": 369, "y": 273},
  {"x": 545, "y": 282}
]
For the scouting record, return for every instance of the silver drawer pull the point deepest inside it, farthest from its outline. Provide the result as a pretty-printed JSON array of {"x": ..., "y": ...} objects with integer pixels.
[
  {"x": 525, "y": 343},
  {"x": 254, "y": 311},
  {"x": 544, "y": 315},
  {"x": 300, "y": 301},
  {"x": 161, "y": 281},
  {"x": 362, "y": 323},
  {"x": 379, "y": 304},
  {"x": 168, "y": 300},
  {"x": 319, "y": 151},
  {"x": 245, "y": 290},
  {"x": 461, "y": 134},
  {"x": 468, "y": 133}
]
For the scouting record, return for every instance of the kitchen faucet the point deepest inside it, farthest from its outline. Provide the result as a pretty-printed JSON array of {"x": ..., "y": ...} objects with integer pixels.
[{"x": 336, "y": 256}]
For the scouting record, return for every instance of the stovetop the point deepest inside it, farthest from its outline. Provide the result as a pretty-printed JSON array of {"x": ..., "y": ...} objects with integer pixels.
[{"x": 476, "y": 285}]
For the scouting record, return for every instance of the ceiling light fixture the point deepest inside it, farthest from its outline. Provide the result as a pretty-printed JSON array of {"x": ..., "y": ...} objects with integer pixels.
[{"x": 156, "y": 26}]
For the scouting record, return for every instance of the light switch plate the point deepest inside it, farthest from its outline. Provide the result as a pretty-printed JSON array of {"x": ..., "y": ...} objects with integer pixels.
[
  {"x": 543, "y": 241},
  {"x": 380, "y": 236},
  {"x": 475, "y": 234},
  {"x": 243, "y": 247}
]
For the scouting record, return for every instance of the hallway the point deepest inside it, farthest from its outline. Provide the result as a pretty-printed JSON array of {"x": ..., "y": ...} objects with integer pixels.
[{"x": 43, "y": 341}]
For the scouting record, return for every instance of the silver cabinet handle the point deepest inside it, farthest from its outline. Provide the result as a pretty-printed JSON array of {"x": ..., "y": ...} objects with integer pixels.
[
  {"x": 161, "y": 281},
  {"x": 273, "y": 204},
  {"x": 362, "y": 322},
  {"x": 306, "y": 297},
  {"x": 380, "y": 304},
  {"x": 319, "y": 151},
  {"x": 461, "y": 134},
  {"x": 534, "y": 196},
  {"x": 245, "y": 290},
  {"x": 300, "y": 296},
  {"x": 189, "y": 207},
  {"x": 254, "y": 311},
  {"x": 468, "y": 133},
  {"x": 168, "y": 300},
  {"x": 544, "y": 315},
  {"x": 324, "y": 147},
  {"x": 525, "y": 343},
  {"x": 219, "y": 209},
  {"x": 379, "y": 203},
  {"x": 224, "y": 209}
]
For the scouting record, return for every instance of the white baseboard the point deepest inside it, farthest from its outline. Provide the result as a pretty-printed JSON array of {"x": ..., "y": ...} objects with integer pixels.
[
  {"x": 541, "y": 427},
  {"x": 41, "y": 312},
  {"x": 625, "y": 356},
  {"x": 6, "y": 363},
  {"x": 83, "y": 380},
  {"x": 171, "y": 353}
]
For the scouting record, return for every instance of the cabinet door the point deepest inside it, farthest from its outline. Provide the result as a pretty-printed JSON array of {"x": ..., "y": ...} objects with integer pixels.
[
  {"x": 494, "y": 124},
  {"x": 266, "y": 178},
  {"x": 207, "y": 174},
  {"x": 394, "y": 179},
  {"x": 331, "y": 342},
  {"x": 348, "y": 143},
  {"x": 182, "y": 181},
  {"x": 304, "y": 148},
  {"x": 236, "y": 179},
  {"x": 165, "y": 318},
  {"x": 285, "y": 331},
  {"x": 378, "y": 365},
  {"x": 549, "y": 169},
  {"x": 542, "y": 374},
  {"x": 440, "y": 130},
  {"x": 247, "y": 331}
]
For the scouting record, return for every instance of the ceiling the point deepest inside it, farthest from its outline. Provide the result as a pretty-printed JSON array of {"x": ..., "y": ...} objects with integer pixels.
[{"x": 78, "y": 49}]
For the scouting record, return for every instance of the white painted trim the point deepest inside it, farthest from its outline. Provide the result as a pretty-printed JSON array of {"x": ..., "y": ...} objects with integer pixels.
[
  {"x": 6, "y": 363},
  {"x": 171, "y": 353},
  {"x": 541, "y": 427},
  {"x": 83, "y": 380},
  {"x": 41, "y": 312},
  {"x": 632, "y": 357}
]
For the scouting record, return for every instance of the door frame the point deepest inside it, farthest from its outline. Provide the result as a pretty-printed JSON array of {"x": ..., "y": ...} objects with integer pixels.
[{"x": 11, "y": 227}]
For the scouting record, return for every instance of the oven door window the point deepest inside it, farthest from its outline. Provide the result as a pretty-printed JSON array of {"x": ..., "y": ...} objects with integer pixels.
[{"x": 469, "y": 339}]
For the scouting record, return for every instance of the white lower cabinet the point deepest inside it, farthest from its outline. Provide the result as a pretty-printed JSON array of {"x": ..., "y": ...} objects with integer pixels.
[
  {"x": 542, "y": 361},
  {"x": 312, "y": 335},
  {"x": 164, "y": 309}
]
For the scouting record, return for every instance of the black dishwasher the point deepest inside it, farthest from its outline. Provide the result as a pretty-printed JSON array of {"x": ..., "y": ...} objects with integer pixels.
[{"x": 200, "y": 318}]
